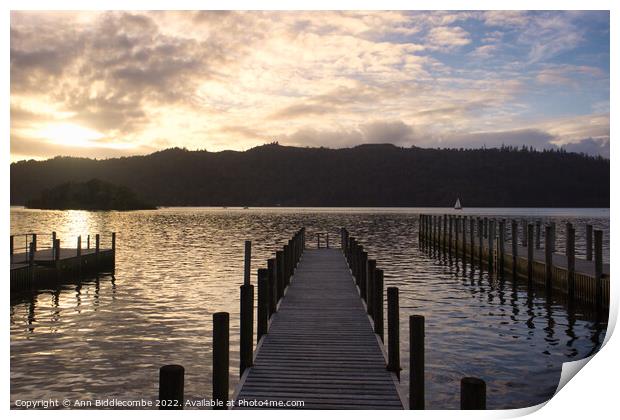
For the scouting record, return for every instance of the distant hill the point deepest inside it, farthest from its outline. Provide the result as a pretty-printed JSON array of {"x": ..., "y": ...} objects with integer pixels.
[
  {"x": 366, "y": 175},
  {"x": 90, "y": 195}
]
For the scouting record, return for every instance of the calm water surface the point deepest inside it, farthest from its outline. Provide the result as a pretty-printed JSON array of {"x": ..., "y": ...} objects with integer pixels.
[{"x": 175, "y": 267}]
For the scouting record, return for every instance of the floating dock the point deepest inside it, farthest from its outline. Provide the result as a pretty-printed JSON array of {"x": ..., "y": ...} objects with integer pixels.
[{"x": 36, "y": 268}]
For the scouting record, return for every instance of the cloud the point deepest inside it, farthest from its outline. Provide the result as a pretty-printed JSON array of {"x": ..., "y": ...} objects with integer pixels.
[{"x": 448, "y": 37}]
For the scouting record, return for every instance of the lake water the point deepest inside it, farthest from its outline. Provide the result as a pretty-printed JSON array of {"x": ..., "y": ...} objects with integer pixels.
[{"x": 175, "y": 267}]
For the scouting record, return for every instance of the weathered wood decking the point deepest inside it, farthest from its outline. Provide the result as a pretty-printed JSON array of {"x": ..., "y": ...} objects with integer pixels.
[{"x": 321, "y": 348}]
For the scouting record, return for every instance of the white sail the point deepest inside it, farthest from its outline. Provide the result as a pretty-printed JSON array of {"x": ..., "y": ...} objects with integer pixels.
[{"x": 457, "y": 205}]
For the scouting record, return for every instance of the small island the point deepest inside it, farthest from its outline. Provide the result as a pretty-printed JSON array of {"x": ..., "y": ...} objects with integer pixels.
[{"x": 91, "y": 195}]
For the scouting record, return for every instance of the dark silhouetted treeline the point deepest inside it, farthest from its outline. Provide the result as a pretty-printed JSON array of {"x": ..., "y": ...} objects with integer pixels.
[
  {"x": 91, "y": 195},
  {"x": 367, "y": 175}
]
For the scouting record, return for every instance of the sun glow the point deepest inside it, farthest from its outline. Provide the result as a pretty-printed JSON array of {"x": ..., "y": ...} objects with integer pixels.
[{"x": 70, "y": 134}]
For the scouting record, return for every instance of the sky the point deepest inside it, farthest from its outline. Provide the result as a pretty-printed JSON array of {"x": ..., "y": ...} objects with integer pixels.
[{"x": 118, "y": 83}]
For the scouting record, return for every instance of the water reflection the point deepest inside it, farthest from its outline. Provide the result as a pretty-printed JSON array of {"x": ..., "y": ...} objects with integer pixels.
[{"x": 107, "y": 337}]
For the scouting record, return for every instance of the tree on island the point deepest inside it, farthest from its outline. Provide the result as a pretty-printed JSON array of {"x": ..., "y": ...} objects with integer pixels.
[{"x": 91, "y": 195}]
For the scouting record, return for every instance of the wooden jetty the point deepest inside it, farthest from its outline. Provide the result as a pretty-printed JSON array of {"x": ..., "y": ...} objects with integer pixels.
[
  {"x": 33, "y": 266},
  {"x": 483, "y": 241},
  {"x": 320, "y": 338}
]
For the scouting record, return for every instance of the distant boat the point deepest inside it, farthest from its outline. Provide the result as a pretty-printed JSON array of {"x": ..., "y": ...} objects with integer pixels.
[{"x": 457, "y": 205}]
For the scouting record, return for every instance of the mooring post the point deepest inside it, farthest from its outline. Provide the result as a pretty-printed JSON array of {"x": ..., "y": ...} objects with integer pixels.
[
  {"x": 378, "y": 304},
  {"x": 327, "y": 239},
  {"x": 97, "y": 242},
  {"x": 221, "y": 359},
  {"x": 416, "y": 362},
  {"x": 31, "y": 254},
  {"x": 12, "y": 247},
  {"x": 553, "y": 236},
  {"x": 113, "y": 241},
  {"x": 393, "y": 332},
  {"x": 247, "y": 262},
  {"x": 287, "y": 265},
  {"x": 171, "y": 383},
  {"x": 318, "y": 240},
  {"x": 87, "y": 241},
  {"x": 502, "y": 244},
  {"x": 445, "y": 233},
  {"x": 246, "y": 327},
  {"x": 457, "y": 228},
  {"x": 450, "y": 222},
  {"x": 273, "y": 286},
  {"x": 472, "y": 243},
  {"x": 279, "y": 275},
  {"x": 530, "y": 254},
  {"x": 54, "y": 244},
  {"x": 79, "y": 246},
  {"x": 514, "y": 235},
  {"x": 370, "y": 286},
  {"x": 34, "y": 242},
  {"x": 363, "y": 273},
  {"x": 538, "y": 234},
  {"x": 589, "y": 242},
  {"x": 480, "y": 240},
  {"x": 262, "y": 309},
  {"x": 570, "y": 260},
  {"x": 56, "y": 250},
  {"x": 464, "y": 250},
  {"x": 473, "y": 394},
  {"x": 598, "y": 268},
  {"x": 486, "y": 227},
  {"x": 548, "y": 259},
  {"x": 524, "y": 232},
  {"x": 569, "y": 225},
  {"x": 491, "y": 241}
]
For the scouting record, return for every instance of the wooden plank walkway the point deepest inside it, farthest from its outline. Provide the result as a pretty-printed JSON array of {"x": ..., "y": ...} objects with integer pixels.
[{"x": 321, "y": 347}]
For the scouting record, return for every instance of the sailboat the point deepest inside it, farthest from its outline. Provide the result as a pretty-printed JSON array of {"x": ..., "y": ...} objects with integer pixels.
[{"x": 457, "y": 205}]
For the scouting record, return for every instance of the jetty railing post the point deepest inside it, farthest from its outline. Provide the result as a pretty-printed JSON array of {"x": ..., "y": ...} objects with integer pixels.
[
  {"x": 524, "y": 232},
  {"x": 378, "y": 303},
  {"x": 31, "y": 254},
  {"x": 570, "y": 260},
  {"x": 393, "y": 331},
  {"x": 87, "y": 241},
  {"x": 530, "y": 254},
  {"x": 598, "y": 268},
  {"x": 56, "y": 250},
  {"x": 445, "y": 235},
  {"x": 464, "y": 250},
  {"x": 472, "y": 243},
  {"x": 480, "y": 240},
  {"x": 79, "y": 246},
  {"x": 450, "y": 222},
  {"x": 327, "y": 239},
  {"x": 370, "y": 286},
  {"x": 273, "y": 286},
  {"x": 246, "y": 327},
  {"x": 318, "y": 240},
  {"x": 287, "y": 264},
  {"x": 502, "y": 244},
  {"x": 221, "y": 339},
  {"x": 514, "y": 234},
  {"x": 553, "y": 236},
  {"x": 171, "y": 383},
  {"x": 34, "y": 242},
  {"x": 280, "y": 274},
  {"x": 538, "y": 234},
  {"x": 473, "y": 394},
  {"x": 589, "y": 242},
  {"x": 54, "y": 245},
  {"x": 363, "y": 273},
  {"x": 486, "y": 227},
  {"x": 262, "y": 307},
  {"x": 12, "y": 247},
  {"x": 457, "y": 228},
  {"x": 416, "y": 362},
  {"x": 548, "y": 259},
  {"x": 491, "y": 240}
]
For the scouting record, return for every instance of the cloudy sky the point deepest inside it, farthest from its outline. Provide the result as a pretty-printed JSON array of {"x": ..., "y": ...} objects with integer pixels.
[{"x": 106, "y": 84}]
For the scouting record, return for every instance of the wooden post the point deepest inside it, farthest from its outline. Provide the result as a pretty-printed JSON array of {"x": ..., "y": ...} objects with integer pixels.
[
  {"x": 464, "y": 250},
  {"x": 598, "y": 267},
  {"x": 548, "y": 259},
  {"x": 113, "y": 241},
  {"x": 327, "y": 239},
  {"x": 538, "y": 234},
  {"x": 416, "y": 362},
  {"x": 480, "y": 241},
  {"x": 87, "y": 241},
  {"x": 12, "y": 247},
  {"x": 378, "y": 303},
  {"x": 57, "y": 250},
  {"x": 473, "y": 394},
  {"x": 569, "y": 225},
  {"x": 445, "y": 233},
  {"x": 486, "y": 227},
  {"x": 221, "y": 359},
  {"x": 457, "y": 228},
  {"x": 34, "y": 242},
  {"x": 524, "y": 232},
  {"x": 370, "y": 286},
  {"x": 570, "y": 260},
  {"x": 530, "y": 254},
  {"x": 553, "y": 236},
  {"x": 246, "y": 327},
  {"x": 96, "y": 251},
  {"x": 171, "y": 378},
  {"x": 450, "y": 220},
  {"x": 393, "y": 331},
  {"x": 280, "y": 274},
  {"x": 472, "y": 245},
  {"x": 589, "y": 242},
  {"x": 514, "y": 232},
  {"x": 491, "y": 241},
  {"x": 363, "y": 272},
  {"x": 502, "y": 244},
  {"x": 79, "y": 246},
  {"x": 318, "y": 240},
  {"x": 273, "y": 286},
  {"x": 247, "y": 263},
  {"x": 31, "y": 254},
  {"x": 262, "y": 308}
]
